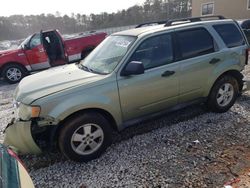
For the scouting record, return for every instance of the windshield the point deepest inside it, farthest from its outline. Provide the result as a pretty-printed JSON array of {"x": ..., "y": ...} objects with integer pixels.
[
  {"x": 25, "y": 42},
  {"x": 108, "y": 54}
]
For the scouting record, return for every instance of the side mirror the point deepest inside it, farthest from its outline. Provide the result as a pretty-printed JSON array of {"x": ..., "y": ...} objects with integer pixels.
[{"x": 133, "y": 68}]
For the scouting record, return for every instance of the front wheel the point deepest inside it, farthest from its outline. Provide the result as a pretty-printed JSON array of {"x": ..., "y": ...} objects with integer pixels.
[
  {"x": 85, "y": 137},
  {"x": 14, "y": 73},
  {"x": 223, "y": 94}
]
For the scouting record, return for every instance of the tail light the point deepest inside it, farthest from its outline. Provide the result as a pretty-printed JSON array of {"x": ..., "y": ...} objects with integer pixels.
[{"x": 247, "y": 55}]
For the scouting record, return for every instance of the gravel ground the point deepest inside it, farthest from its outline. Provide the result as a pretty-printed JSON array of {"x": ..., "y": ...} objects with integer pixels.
[{"x": 187, "y": 148}]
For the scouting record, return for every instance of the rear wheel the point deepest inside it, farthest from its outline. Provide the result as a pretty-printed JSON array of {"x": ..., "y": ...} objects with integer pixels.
[
  {"x": 14, "y": 73},
  {"x": 223, "y": 94},
  {"x": 85, "y": 137}
]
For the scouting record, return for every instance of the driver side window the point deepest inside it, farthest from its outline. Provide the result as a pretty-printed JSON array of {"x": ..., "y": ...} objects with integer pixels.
[
  {"x": 35, "y": 41},
  {"x": 154, "y": 52}
]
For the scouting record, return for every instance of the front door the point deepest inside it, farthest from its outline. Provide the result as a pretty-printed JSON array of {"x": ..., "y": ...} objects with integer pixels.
[
  {"x": 54, "y": 46},
  {"x": 158, "y": 87},
  {"x": 36, "y": 53}
]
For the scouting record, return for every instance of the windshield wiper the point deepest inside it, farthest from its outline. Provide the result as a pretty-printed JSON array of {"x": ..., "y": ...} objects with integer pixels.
[
  {"x": 89, "y": 69},
  {"x": 81, "y": 66}
]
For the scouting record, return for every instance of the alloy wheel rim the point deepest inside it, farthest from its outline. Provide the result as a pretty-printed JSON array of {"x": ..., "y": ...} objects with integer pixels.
[
  {"x": 225, "y": 94},
  {"x": 87, "y": 139},
  {"x": 14, "y": 74}
]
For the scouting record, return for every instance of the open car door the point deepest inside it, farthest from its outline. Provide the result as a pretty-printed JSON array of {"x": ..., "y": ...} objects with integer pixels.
[
  {"x": 53, "y": 43},
  {"x": 12, "y": 172},
  {"x": 36, "y": 53}
]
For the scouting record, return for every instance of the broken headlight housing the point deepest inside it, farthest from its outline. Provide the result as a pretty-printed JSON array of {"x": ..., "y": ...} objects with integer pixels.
[{"x": 26, "y": 112}]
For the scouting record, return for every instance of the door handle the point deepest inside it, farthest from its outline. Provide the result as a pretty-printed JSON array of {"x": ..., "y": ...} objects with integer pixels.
[
  {"x": 41, "y": 50},
  {"x": 214, "y": 61},
  {"x": 167, "y": 73}
]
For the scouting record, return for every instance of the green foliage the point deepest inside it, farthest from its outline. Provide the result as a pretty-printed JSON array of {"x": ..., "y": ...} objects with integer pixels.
[{"x": 19, "y": 26}]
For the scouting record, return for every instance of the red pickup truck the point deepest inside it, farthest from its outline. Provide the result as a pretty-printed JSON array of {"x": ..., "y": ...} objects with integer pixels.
[{"x": 44, "y": 50}]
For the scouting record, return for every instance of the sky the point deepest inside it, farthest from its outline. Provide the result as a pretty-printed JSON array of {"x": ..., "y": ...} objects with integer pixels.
[{"x": 27, "y": 7}]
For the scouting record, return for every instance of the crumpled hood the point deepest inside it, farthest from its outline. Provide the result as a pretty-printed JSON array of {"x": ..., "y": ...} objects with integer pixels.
[
  {"x": 6, "y": 52},
  {"x": 51, "y": 81}
]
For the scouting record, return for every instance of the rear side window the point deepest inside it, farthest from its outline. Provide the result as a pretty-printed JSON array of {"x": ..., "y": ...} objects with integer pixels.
[
  {"x": 230, "y": 34},
  {"x": 195, "y": 42}
]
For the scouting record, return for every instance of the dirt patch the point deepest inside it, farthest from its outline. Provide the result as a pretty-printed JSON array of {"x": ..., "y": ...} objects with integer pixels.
[{"x": 239, "y": 163}]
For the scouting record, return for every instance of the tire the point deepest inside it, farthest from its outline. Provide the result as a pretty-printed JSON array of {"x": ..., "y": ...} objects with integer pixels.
[
  {"x": 76, "y": 137},
  {"x": 13, "y": 73},
  {"x": 223, "y": 94}
]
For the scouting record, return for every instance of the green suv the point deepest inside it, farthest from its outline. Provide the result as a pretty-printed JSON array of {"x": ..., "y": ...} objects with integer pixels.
[{"x": 131, "y": 76}]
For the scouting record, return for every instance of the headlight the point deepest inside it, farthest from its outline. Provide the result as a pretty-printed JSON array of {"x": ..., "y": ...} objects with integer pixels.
[
  {"x": 16, "y": 104},
  {"x": 26, "y": 112}
]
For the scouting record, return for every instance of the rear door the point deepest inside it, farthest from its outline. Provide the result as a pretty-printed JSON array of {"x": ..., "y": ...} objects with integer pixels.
[
  {"x": 198, "y": 54},
  {"x": 36, "y": 53},
  {"x": 158, "y": 87}
]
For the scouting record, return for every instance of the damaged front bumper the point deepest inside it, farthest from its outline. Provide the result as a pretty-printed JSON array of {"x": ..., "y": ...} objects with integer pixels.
[{"x": 19, "y": 137}]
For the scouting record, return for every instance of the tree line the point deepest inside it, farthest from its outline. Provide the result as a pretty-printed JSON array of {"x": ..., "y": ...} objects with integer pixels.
[{"x": 20, "y": 26}]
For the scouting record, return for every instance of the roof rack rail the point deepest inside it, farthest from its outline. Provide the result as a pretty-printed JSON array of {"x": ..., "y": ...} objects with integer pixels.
[
  {"x": 151, "y": 23},
  {"x": 193, "y": 19}
]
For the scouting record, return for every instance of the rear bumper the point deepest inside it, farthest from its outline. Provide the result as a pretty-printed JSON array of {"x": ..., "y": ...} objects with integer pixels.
[
  {"x": 18, "y": 136},
  {"x": 246, "y": 86}
]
